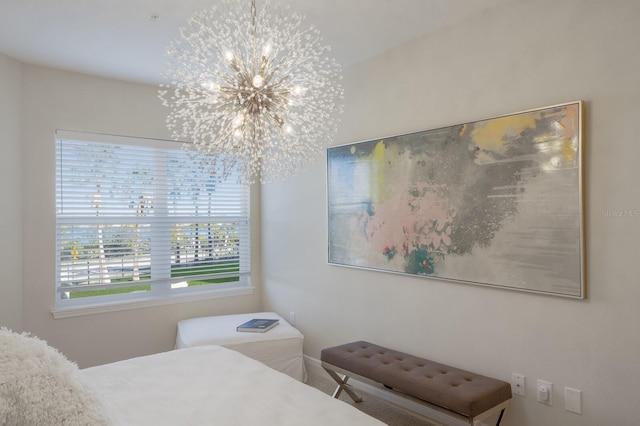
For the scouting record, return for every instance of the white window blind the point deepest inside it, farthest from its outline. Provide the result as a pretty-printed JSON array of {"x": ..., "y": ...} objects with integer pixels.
[{"x": 140, "y": 218}]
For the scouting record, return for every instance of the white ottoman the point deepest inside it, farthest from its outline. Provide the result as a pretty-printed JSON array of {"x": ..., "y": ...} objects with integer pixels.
[{"x": 279, "y": 348}]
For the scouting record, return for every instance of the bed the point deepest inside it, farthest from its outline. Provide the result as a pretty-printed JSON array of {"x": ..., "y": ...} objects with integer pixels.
[{"x": 208, "y": 385}]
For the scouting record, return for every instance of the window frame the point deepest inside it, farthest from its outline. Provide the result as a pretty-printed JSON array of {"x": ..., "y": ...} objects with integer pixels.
[{"x": 162, "y": 292}]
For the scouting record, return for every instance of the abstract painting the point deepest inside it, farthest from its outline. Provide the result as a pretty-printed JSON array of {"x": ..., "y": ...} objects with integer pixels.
[{"x": 495, "y": 202}]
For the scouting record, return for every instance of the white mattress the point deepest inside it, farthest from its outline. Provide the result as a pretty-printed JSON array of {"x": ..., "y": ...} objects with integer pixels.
[
  {"x": 212, "y": 385},
  {"x": 279, "y": 348}
]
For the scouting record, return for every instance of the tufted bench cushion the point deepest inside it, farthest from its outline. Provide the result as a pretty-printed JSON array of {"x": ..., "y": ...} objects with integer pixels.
[{"x": 456, "y": 390}]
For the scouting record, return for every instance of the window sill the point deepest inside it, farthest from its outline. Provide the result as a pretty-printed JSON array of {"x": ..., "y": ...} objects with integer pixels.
[{"x": 76, "y": 311}]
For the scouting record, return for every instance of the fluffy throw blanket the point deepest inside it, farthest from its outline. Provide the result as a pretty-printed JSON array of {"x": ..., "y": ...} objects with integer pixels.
[{"x": 39, "y": 386}]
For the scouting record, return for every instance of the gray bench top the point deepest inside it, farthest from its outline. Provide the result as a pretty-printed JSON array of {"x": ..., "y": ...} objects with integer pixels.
[{"x": 457, "y": 390}]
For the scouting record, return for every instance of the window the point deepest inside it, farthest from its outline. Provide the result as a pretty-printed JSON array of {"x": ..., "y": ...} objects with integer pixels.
[{"x": 141, "y": 219}]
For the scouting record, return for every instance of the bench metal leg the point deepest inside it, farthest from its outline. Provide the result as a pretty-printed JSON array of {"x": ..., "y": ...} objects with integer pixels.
[
  {"x": 477, "y": 420},
  {"x": 500, "y": 417},
  {"x": 341, "y": 380}
]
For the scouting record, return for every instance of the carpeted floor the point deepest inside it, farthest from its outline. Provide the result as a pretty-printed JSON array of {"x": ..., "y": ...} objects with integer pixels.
[{"x": 370, "y": 405}]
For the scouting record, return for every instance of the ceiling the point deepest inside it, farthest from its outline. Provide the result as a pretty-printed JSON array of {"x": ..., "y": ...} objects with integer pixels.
[{"x": 119, "y": 39}]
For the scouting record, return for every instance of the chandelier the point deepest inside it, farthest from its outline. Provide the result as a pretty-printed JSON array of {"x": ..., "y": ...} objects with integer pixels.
[{"x": 254, "y": 93}]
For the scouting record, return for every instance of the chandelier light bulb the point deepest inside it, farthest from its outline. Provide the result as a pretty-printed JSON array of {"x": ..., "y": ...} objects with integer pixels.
[
  {"x": 228, "y": 55},
  {"x": 258, "y": 81},
  {"x": 210, "y": 86},
  {"x": 238, "y": 120},
  {"x": 288, "y": 128},
  {"x": 253, "y": 92},
  {"x": 267, "y": 50},
  {"x": 297, "y": 90}
]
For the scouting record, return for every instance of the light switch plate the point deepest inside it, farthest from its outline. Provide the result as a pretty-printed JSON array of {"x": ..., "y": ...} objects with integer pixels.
[{"x": 573, "y": 400}]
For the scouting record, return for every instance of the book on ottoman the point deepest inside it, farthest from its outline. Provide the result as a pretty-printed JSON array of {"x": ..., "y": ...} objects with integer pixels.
[{"x": 258, "y": 325}]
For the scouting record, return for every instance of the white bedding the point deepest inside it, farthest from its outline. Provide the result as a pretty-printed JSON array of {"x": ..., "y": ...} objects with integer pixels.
[{"x": 212, "y": 385}]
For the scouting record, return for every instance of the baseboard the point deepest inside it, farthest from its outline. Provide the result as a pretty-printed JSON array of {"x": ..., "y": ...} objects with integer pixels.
[{"x": 314, "y": 367}]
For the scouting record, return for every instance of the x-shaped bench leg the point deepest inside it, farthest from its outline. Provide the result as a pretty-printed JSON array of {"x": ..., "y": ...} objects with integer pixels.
[{"x": 341, "y": 380}]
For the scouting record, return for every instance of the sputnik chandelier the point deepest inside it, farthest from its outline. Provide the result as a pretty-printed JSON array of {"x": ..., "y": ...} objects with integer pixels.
[{"x": 255, "y": 93}]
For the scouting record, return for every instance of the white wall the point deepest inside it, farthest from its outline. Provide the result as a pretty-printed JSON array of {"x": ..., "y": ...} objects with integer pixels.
[
  {"x": 522, "y": 55},
  {"x": 62, "y": 100},
  {"x": 11, "y": 194}
]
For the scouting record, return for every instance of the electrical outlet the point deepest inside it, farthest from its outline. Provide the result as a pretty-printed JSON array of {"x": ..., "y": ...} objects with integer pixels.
[
  {"x": 292, "y": 318},
  {"x": 517, "y": 384},
  {"x": 545, "y": 392}
]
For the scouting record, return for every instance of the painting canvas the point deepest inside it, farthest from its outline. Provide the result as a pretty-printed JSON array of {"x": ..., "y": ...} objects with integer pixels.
[{"x": 495, "y": 202}]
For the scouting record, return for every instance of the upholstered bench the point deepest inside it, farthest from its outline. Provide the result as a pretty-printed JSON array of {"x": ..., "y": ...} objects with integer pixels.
[{"x": 426, "y": 388}]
